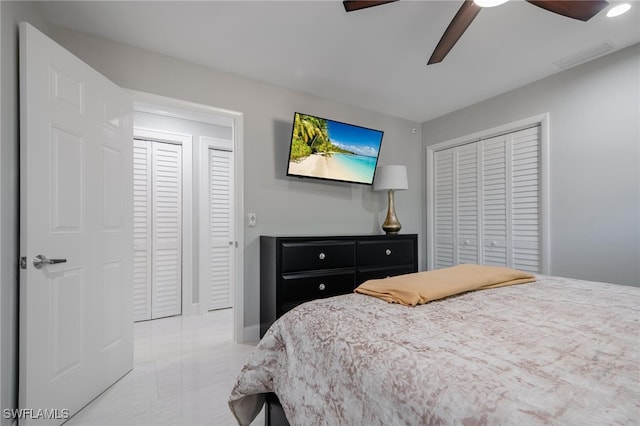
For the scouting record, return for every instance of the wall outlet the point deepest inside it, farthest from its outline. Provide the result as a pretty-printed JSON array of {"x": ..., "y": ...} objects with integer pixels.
[{"x": 252, "y": 219}]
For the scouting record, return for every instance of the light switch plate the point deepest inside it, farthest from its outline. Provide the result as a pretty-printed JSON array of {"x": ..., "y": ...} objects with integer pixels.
[{"x": 252, "y": 219}]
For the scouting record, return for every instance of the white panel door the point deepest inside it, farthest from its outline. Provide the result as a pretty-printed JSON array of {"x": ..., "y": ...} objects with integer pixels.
[
  {"x": 166, "y": 267},
  {"x": 221, "y": 237},
  {"x": 76, "y": 328}
]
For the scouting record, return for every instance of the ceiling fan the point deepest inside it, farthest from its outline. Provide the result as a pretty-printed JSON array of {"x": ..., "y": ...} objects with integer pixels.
[{"x": 576, "y": 9}]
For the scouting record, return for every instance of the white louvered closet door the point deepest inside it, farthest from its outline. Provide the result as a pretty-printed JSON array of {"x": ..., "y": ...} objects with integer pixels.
[
  {"x": 157, "y": 230},
  {"x": 444, "y": 211},
  {"x": 525, "y": 188},
  {"x": 457, "y": 204},
  {"x": 166, "y": 295},
  {"x": 221, "y": 237},
  {"x": 141, "y": 230},
  {"x": 468, "y": 202},
  {"x": 487, "y": 202},
  {"x": 495, "y": 215}
]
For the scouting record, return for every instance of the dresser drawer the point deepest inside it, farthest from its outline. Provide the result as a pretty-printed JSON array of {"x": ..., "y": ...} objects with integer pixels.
[
  {"x": 299, "y": 288},
  {"x": 382, "y": 253},
  {"x": 297, "y": 269},
  {"x": 366, "y": 274},
  {"x": 314, "y": 255}
]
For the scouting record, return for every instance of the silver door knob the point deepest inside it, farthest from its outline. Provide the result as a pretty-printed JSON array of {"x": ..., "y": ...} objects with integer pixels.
[
  {"x": 387, "y": 252},
  {"x": 322, "y": 256},
  {"x": 322, "y": 286},
  {"x": 41, "y": 260}
]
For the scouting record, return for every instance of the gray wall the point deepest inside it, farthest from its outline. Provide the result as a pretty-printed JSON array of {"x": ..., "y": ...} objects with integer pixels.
[
  {"x": 594, "y": 150},
  {"x": 283, "y": 205},
  {"x": 11, "y": 13}
]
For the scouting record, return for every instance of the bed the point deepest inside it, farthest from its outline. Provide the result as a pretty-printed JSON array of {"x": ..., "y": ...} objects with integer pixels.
[{"x": 556, "y": 351}]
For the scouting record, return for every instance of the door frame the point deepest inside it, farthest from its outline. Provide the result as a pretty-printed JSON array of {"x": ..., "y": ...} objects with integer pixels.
[
  {"x": 543, "y": 121},
  {"x": 186, "y": 142},
  {"x": 170, "y": 107}
]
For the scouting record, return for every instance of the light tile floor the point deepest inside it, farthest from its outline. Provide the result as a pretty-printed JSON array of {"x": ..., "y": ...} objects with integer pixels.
[{"x": 184, "y": 369}]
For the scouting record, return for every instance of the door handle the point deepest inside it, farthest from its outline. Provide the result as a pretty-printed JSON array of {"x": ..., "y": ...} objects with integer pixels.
[{"x": 40, "y": 260}]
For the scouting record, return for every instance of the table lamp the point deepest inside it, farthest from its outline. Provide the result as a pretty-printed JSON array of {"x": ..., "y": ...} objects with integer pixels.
[{"x": 391, "y": 178}]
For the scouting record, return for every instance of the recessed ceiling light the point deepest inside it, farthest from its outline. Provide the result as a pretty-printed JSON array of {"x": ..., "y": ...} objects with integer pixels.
[
  {"x": 489, "y": 3},
  {"x": 618, "y": 10}
]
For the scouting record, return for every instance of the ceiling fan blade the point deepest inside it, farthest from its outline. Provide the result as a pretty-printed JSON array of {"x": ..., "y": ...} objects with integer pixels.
[
  {"x": 576, "y": 9},
  {"x": 352, "y": 5},
  {"x": 454, "y": 31}
]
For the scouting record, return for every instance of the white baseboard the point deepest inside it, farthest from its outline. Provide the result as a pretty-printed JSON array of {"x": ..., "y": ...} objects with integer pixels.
[{"x": 252, "y": 333}]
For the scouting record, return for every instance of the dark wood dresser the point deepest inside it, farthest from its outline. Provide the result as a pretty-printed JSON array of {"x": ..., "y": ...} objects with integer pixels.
[{"x": 294, "y": 270}]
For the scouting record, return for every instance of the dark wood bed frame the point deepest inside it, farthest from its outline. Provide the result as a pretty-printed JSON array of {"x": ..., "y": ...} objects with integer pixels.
[{"x": 273, "y": 412}]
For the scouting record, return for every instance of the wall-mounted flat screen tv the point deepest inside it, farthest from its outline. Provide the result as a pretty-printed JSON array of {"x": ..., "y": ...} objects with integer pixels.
[{"x": 328, "y": 149}]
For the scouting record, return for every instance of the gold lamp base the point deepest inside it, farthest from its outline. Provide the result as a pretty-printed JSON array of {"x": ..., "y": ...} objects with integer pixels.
[{"x": 391, "y": 224}]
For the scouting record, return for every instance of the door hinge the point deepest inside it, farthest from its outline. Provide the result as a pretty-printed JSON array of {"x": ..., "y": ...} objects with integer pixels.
[{"x": 23, "y": 262}]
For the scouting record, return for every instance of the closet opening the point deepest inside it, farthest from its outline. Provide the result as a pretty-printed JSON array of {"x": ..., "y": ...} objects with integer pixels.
[
  {"x": 488, "y": 198},
  {"x": 187, "y": 200}
]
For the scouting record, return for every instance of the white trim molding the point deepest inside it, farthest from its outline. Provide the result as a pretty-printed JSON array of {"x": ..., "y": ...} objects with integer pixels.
[
  {"x": 543, "y": 121},
  {"x": 252, "y": 333}
]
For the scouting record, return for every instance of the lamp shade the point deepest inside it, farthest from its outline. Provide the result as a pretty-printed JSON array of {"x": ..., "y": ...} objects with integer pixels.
[{"x": 390, "y": 177}]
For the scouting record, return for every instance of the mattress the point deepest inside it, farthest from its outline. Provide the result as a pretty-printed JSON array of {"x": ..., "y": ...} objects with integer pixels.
[{"x": 559, "y": 351}]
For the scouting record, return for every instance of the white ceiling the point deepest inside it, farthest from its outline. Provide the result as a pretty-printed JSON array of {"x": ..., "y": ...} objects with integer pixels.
[{"x": 374, "y": 58}]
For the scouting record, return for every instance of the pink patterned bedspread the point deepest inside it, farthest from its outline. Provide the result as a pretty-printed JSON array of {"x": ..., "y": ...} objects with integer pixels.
[{"x": 557, "y": 351}]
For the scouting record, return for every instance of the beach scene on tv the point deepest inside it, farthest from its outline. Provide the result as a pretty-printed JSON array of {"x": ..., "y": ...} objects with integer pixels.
[{"x": 329, "y": 149}]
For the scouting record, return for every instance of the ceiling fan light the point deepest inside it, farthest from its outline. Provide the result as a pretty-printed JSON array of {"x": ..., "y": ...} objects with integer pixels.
[
  {"x": 489, "y": 3},
  {"x": 618, "y": 10}
]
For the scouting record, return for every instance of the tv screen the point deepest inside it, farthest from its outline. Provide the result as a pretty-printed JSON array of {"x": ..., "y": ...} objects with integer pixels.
[{"x": 327, "y": 149}]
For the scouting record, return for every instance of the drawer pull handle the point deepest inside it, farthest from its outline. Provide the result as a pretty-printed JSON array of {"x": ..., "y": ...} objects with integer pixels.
[
  {"x": 322, "y": 256},
  {"x": 322, "y": 286},
  {"x": 388, "y": 252}
]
